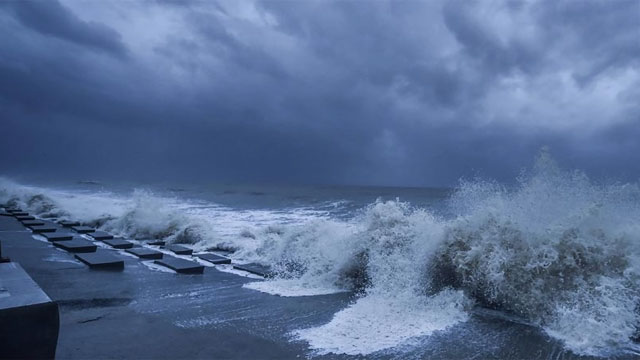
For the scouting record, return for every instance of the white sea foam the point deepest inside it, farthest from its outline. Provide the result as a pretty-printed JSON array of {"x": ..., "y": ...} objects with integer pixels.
[
  {"x": 375, "y": 323},
  {"x": 292, "y": 287}
]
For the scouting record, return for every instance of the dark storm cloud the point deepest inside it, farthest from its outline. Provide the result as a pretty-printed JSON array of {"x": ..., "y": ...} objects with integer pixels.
[
  {"x": 414, "y": 93},
  {"x": 50, "y": 18}
]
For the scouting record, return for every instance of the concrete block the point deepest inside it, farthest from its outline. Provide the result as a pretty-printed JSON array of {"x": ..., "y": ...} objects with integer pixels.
[
  {"x": 25, "y": 217},
  {"x": 102, "y": 259},
  {"x": 119, "y": 243},
  {"x": 58, "y": 236},
  {"x": 156, "y": 242},
  {"x": 181, "y": 266},
  {"x": 83, "y": 229},
  {"x": 13, "y": 210},
  {"x": 214, "y": 259},
  {"x": 32, "y": 223},
  {"x": 76, "y": 246},
  {"x": 20, "y": 213},
  {"x": 4, "y": 213},
  {"x": 29, "y": 320},
  {"x": 145, "y": 253},
  {"x": 69, "y": 223},
  {"x": 254, "y": 269},
  {"x": 179, "y": 249},
  {"x": 42, "y": 228},
  {"x": 100, "y": 235}
]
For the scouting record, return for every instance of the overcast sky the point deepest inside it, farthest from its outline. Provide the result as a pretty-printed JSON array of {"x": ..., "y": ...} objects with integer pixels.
[{"x": 340, "y": 92}]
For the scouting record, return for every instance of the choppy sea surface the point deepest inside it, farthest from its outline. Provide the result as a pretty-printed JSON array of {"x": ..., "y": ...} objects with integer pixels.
[{"x": 557, "y": 251}]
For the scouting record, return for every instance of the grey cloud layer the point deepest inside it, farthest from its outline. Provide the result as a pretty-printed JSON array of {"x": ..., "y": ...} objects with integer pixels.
[{"x": 402, "y": 93}]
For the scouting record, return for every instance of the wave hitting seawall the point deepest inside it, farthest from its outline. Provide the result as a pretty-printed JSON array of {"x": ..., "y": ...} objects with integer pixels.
[{"x": 558, "y": 250}]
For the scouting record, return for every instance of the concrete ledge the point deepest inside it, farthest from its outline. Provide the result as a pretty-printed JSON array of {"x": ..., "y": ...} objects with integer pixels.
[
  {"x": 28, "y": 223},
  {"x": 4, "y": 213},
  {"x": 77, "y": 246},
  {"x": 254, "y": 268},
  {"x": 181, "y": 266},
  {"x": 83, "y": 229},
  {"x": 179, "y": 249},
  {"x": 100, "y": 235},
  {"x": 214, "y": 259},
  {"x": 145, "y": 253},
  {"x": 20, "y": 213},
  {"x": 102, "y": 259},
  {"x": 42, "y": 228},
  {"x": 69, "y": 223},
  {"x": 25, "y": 217},
  {"x": 156, "y": 242},
  {"x": 13, "y": 210},
  {"x": 119, "y": 243},
  {"x": 29, "y": 320},
  {"x": 58, "y": 236}
]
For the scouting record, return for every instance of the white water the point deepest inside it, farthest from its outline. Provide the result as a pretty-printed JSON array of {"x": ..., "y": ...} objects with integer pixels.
[{"x": 558, "y": 249}]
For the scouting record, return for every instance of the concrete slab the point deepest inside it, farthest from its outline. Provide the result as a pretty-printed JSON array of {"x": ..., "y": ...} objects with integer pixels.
[
  {"x": 181, "y": 266},
  {"x": 100, "y": 235},
  {"x": 42, "y": 228},
  {"x": 25, "y": 217},
  {"x": 254, "y": 269},
  {"x": 145, "y": 253},
  {"x": 32, "y": 223},
  {"x": 69, "y": 223},
  {"x": 179, "y": 249},
  {"x": 119, "y": 243},
  {"x": 29, "y": 320},
  {"x": 4, "y": 213},
  {"x": 102, "y": 259},
  {"x": 58, "y": 236},
  {"x": 156, "y": 242},
  {"x": 214, "y": 259},
  {"x": 76, "y": 246},
  {"x": 20, "y": 213},
  {"x": 13, "y": 210},
  {"x": 83, "y": 229},
  {"x": 10, "y": 224}
]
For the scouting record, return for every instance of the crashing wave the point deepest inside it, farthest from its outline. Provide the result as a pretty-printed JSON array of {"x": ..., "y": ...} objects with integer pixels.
[{"x": 557, "y": 249}]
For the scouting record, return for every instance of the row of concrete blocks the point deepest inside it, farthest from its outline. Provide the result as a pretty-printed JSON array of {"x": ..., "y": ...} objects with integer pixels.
[{"x": 88, "y": 252}]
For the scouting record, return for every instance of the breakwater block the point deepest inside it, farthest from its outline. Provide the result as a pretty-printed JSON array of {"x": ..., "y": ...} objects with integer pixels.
[
  {"x": 100, "y": 235},
  {"x": 254, "y": 268},
  {"x": 119, "y": 243},
  {"x": 156, "y": 243},
  {"x": 13, "y": 210},
  {"x": 4, "y": 213},
  {"x": 181, "y": 266},
  {"x": 145, "y": 253},
  {"x": 102, "y": 259},
  {"x": 20, "y": 213},
  {"x": 83, "y": 229},
  {"x": 180, "y": 250},
  {"x": 38, "y": 229},
  {"x": 58, "y": 236},
  {"x": 214, "y": 259},
  {"x": 76, "y": 246},
  {"x": 32, "y": 223},
  {"x": 29, "y": 320},
  {"x": 25, "y": 217},
  {"x": 69, "y": 223}
]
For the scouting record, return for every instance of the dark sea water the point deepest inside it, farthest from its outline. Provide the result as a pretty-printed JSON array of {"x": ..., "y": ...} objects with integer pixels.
[{"x": 549, "y": 267}]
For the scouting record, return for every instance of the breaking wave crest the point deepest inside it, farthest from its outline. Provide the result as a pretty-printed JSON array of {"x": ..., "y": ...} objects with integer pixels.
[{"x": 558, "y": 250}]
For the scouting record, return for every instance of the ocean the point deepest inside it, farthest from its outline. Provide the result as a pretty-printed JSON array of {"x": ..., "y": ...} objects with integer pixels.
[{"x": 555, "y": 252}]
